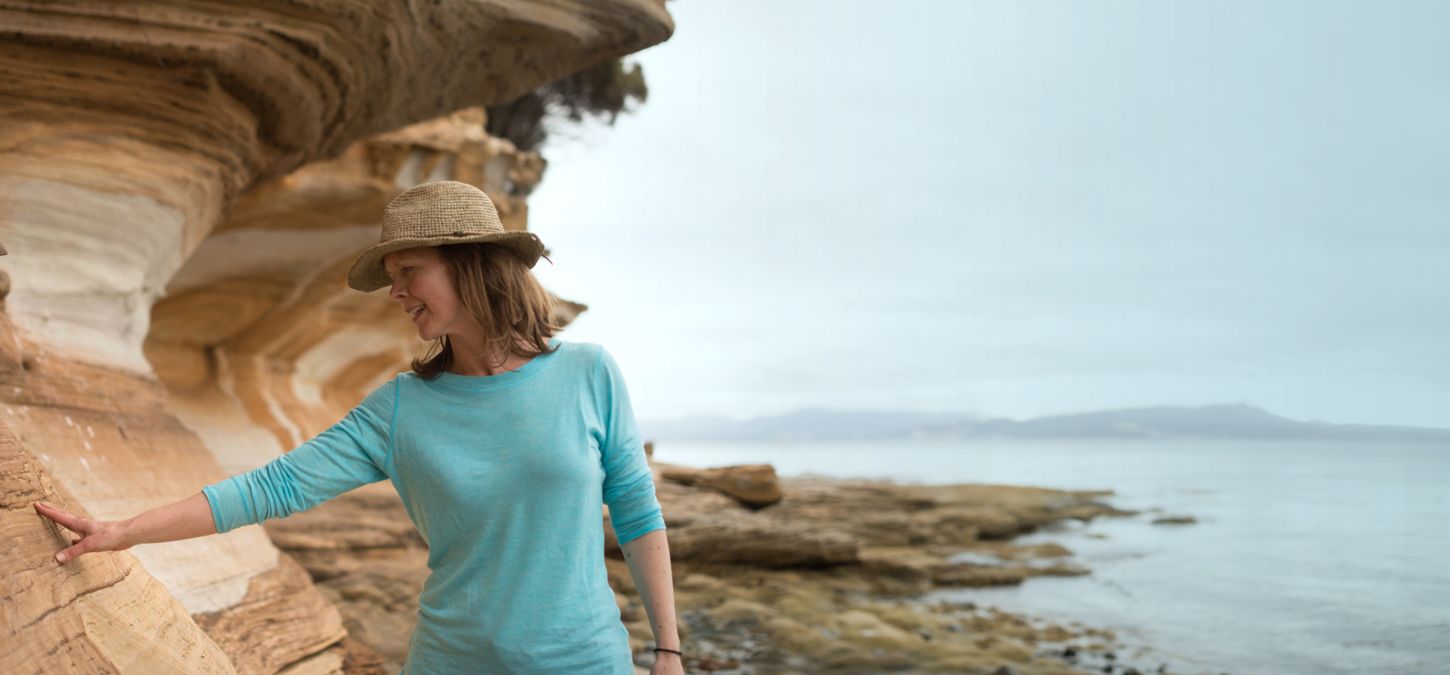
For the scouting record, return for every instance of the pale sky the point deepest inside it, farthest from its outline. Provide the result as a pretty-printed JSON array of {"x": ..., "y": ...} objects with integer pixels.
[{"x": 1021, "y": 208}]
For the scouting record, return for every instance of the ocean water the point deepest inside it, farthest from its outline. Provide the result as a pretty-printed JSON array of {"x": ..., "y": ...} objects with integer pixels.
[{"x": 1307, "y": 557}]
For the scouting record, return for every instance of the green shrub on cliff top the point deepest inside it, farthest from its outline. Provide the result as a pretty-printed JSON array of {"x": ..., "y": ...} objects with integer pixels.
[{"x": 601, "y": 92}]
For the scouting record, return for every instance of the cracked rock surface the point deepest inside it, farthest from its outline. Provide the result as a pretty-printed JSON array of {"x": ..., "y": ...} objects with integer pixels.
[{"x": 812, "y": 583}]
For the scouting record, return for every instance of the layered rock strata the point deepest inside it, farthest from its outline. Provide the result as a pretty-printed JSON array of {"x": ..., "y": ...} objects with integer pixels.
[
  {"x": 818, "y": 582},
  {"x": 129, "y": 129},
  {"x": 111, "y": 449},
  {"x": 152, "y": 150},
  {"x": 259, "y": 340},
  {"x": 101, "y": 614}
]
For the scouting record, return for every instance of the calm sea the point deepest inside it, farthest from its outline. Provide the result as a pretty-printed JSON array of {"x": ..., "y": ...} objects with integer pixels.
[{"x": 1306, "y": 558}]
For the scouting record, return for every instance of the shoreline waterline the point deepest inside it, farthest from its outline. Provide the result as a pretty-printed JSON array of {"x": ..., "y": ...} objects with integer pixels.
[{"x": 1305, "y": 557}]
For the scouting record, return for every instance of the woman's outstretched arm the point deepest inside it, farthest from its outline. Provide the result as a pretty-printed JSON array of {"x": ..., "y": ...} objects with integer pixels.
[
  {"x": 188, "y": 518},
  {"x": 648, "y": 557},
  {"x": 348, "y": 454}
]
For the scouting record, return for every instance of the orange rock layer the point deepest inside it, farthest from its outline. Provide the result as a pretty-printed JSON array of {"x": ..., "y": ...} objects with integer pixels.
[{"x": 181, "y": 187}]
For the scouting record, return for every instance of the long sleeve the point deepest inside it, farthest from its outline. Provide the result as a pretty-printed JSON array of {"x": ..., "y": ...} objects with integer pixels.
[
  {"x": 629, "y": 487},
  {"x": 351, "y": 453}
]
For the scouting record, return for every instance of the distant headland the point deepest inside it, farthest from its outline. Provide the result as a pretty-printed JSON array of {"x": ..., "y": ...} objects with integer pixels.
[{"x": 1236, "y": 421}]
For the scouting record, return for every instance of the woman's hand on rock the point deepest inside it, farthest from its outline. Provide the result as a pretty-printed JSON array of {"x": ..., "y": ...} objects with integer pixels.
[{"x": 95, "y": 535}]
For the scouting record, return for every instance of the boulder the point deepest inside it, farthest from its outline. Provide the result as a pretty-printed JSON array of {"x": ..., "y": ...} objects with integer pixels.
[{"x": 754, "y": 485}]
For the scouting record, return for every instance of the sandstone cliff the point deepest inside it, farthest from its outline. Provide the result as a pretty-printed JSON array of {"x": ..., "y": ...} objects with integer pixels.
[{"x": 181, "y": 189}]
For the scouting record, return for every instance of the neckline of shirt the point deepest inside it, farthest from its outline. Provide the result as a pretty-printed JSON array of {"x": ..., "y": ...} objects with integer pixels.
[{"x": 473, "y": 383}]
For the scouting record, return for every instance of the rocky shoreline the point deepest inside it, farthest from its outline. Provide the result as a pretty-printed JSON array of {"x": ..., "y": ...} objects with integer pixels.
[{"x": 800, "y": 575}]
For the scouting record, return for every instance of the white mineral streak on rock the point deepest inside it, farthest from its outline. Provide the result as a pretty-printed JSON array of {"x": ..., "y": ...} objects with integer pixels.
[
  {"x": 279, "y": 416},
  {"x": 86, "y": 265},
  {"x": 286, "y": 253},
  {"x": 188, "y": 567},
  {"x": 133, "y": 138},
  {"x": 238, "y": 444},
  {"x": 328, "y": 359}
]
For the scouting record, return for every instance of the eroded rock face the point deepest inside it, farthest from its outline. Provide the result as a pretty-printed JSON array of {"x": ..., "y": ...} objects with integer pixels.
[
  {"x": 105, "y": 436},
  {"x": 153, "y": 149},
  {"x": 259, "y": 339},
  {"x": 367, "y": 558},
  {"x": 811, "y": 584},
  {"x": 97, "y": 614},
  {"x": 129, "y": 129}
]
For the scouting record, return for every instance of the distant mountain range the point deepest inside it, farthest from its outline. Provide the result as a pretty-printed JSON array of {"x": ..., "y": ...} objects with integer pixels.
[{"x": 1214, "y": 421}]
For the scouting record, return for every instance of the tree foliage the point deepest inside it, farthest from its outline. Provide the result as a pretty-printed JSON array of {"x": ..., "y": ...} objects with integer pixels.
[{"x": 602, "y": 91}]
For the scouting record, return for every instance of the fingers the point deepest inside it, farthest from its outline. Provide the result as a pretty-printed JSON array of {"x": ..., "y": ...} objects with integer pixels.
[
  {"x": 72, "y": 523},
  {"x": 82, "y": 546}
]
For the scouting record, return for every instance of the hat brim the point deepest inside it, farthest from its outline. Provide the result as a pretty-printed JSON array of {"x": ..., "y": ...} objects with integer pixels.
[{"x": 367, "y": 273}]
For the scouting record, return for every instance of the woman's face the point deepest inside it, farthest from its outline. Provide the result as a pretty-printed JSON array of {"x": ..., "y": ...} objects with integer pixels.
[{"x": 424, "y": 288}]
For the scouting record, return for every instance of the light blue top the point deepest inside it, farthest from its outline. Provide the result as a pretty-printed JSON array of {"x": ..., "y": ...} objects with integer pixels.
[{"x": 504, "y": 476}]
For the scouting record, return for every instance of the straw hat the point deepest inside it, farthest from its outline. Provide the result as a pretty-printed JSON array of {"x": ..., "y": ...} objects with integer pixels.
[{"x": 434, "y": 214}]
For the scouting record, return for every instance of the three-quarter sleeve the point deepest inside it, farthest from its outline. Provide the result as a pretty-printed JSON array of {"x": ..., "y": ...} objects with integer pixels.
[
  {"x": 629, "y": 487},
  {"x": 351, "y": 453}
]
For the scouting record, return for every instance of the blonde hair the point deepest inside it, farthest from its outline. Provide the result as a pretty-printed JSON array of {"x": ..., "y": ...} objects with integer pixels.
[{"x": 502, "y": 295}]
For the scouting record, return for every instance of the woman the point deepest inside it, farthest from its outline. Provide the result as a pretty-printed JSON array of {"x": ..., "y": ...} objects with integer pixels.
[{"x": 502, "y": 442}]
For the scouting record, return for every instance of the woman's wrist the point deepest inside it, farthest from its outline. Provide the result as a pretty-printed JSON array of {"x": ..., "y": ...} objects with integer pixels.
[{"x": 126, "y": 533}]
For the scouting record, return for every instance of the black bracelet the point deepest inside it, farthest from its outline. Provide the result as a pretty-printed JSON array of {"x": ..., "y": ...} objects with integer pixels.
[{"x": 662, "y": 649}]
